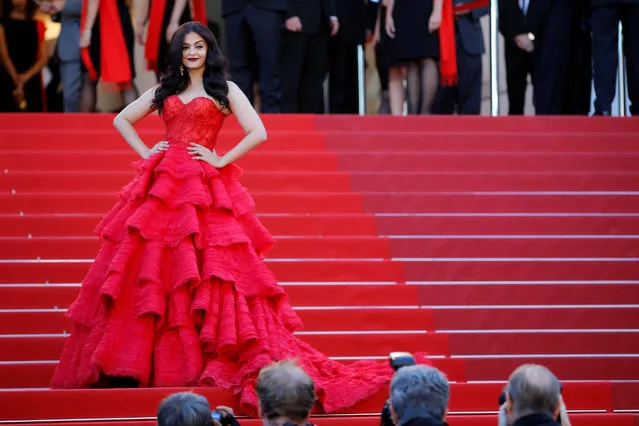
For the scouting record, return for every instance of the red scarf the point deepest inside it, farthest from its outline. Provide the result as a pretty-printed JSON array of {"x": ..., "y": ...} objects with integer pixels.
[
  {"x": 447, "y": 48},
  {"x": 156, "y": 19},
  {"x": 114, "y": 56},
  {"x": 41, "y": 28}
]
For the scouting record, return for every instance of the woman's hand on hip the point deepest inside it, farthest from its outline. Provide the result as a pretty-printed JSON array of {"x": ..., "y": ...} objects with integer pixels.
[{"x": 202, "y": 153}]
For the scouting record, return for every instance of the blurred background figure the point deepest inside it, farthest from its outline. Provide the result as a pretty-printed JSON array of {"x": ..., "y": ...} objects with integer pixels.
[
  {"x": 254, "y": 30},
  {"x": 68, "y": 13},
  {"x": 23, "y": 55},
  {"x": 606, "y": 15},
  {"x": 107, "y": 31},
  {"x": 305, "y": 54}
]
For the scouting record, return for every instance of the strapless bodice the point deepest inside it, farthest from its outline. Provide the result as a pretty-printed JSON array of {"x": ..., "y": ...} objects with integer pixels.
[{"x": 199, "y": 120}]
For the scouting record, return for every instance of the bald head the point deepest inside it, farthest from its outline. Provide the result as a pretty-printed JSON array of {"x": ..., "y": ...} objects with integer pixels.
[
  {"x": 533, "y": 389},
  {"x": 286, "y": 393}
]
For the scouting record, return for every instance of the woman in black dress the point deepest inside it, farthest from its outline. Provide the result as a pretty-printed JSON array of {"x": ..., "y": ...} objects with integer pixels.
[
  {"x": 107, "y": 31},
  {"x": 390, "y": 69},
  {"x": 414, "y": 25},
  {"x": 22, "y": 56}
]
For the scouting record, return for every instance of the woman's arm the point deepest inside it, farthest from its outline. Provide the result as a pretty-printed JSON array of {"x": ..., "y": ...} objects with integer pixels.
[
  {"x": 174, "y": 22},
  {"x": 390, "y": 22},
  {"x": 130, "y": 115},
  {"x": 5, "y": 60},
  {"x": 250, "y": 121},
  {"x": 43, "y": 59},
  {"x": 140, "y": 11},
  {"x": 92, "y": 13}
]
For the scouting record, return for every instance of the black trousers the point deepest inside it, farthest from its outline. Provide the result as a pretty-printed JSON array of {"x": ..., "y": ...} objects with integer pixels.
[
  {"x": 304, "y": 65},
  {"x": 465, "y": 97},
  {"x": 605, "y": 21},
  {"x": 342, "y": 57},
  {"x": 519, "y": 65},
  {"x": 251, "y": 33}
]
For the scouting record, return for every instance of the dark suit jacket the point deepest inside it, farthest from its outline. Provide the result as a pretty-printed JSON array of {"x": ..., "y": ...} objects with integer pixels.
[
  {"x": 233, "y": 6},
  {"x": 355, "y": 17},
  {"x": 538, "y": 419},
  {"x": 470, "y": 32},
  {"x": 513, "y": 22},
  {"x": 313, "y": 13}
]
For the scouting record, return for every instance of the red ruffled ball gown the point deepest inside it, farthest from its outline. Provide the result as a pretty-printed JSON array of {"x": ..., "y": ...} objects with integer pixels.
[{"x": 178, "y": 294}]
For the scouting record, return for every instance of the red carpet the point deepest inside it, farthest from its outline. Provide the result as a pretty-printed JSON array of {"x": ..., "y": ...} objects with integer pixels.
[{"x": 485, "y": 242}]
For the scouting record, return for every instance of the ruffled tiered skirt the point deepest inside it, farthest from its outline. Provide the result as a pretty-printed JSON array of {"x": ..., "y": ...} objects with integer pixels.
[{"x": 178, "y": 294}]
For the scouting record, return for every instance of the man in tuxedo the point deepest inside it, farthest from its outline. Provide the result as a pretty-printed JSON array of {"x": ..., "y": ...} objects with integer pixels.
[
  {"x": 606, "y": 15},
  {"x": 519, "y": 45},
  {"x": 465, "y": 97},
  {"x": 540, "y": 41},
  {"x": 357, "y": 21},
  {"x": 304, "y": 54},
  {"x": 254, "y": 28}
]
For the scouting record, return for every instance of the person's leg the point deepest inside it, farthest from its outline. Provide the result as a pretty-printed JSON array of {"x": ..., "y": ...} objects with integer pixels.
[
  {"x": 396, "y": 90},
  {"x": 71, "y": 77},
  {"x": 266, "y": 30},
  {"x": 604, "y": 22},
  {"x": 429, "y": 84},
  {"x": 630, "y": 25},
  {"x": 239, "y": 41},
  {"x": 314, "y": 68}
]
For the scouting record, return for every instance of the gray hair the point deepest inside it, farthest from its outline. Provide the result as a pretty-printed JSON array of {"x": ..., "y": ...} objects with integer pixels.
[
  {"x": 534, "y": 389},
  {"x": 285, "y": 392},
  {"x": 184, "y": 409},
  {"x": 419, "y": 387}
]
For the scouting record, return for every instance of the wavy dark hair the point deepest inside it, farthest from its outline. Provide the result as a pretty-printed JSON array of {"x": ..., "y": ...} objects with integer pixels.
[
  {"x": 7, "y": 8},
  {"x": 174, "y": 82}
]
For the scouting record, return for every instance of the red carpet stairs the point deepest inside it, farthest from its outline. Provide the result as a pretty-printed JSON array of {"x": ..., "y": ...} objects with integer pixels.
[{"x": 487, "y": 243}]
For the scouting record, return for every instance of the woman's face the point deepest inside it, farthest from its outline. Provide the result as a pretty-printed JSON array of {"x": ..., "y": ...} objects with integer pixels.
[{"x": 193, "y": 51}]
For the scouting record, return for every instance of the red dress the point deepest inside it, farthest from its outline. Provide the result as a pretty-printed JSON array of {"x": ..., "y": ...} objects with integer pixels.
[{"x": 179, "y": 295}]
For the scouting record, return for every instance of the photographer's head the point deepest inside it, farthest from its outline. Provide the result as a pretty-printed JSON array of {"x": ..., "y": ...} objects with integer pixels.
[
  {"x": 286, "y": 394},
  {"x": 533, "y": 389},
  {"x": 418, "y": 391},
  {"x": 184, "y": 409}
]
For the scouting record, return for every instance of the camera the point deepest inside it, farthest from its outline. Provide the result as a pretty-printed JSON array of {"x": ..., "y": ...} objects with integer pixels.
[
  {"x": 225, "y": 419},
  {"x": 400, "y": 359}
]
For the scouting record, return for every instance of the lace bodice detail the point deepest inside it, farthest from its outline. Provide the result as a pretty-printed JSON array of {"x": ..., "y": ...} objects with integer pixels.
[{"x": 199, "y": 120}]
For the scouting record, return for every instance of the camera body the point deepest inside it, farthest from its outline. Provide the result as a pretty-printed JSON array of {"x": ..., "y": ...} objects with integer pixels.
[
  {"x": 225, "y": 419},
  {"x": 398, "y": 360}
]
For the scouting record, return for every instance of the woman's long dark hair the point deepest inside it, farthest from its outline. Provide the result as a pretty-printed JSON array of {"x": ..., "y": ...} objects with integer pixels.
[
  {"x": 7, "y": 8},
  {"x": 173, "y": 81}
]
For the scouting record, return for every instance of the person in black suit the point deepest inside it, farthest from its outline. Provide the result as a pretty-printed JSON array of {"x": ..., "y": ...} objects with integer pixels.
[
  {"x": 516, "y": 26},
  {"x": 606, "y": 15},
  {"x": 357, "y": 21},
  {"x": 304, "y": 54},
  {"x": 546, "y": 40},
  {"x": 253, "y": 28},
  {"x": 465, "y": 97}
]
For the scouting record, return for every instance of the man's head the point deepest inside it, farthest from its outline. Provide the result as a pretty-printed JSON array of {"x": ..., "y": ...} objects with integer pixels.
[
  {"x": 533, "y": 389},
  {"x": 419, "y": 388},
  {"x": 286, "y": 394},
  {"x": 184, "y": 409}
]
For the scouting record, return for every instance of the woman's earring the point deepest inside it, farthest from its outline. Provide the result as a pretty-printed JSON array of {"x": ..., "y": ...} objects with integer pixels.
[{"x": 182, "y": 70}]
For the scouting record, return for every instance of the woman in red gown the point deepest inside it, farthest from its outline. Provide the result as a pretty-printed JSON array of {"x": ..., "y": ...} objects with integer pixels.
[{"x": 178, "y": 294}]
